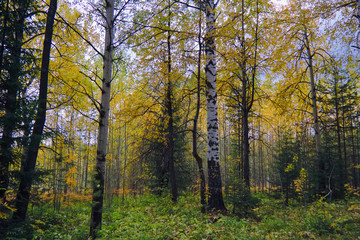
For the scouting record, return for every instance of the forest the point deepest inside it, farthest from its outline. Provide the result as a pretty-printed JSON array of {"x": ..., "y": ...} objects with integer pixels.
[{"x": 179, "y": 119}]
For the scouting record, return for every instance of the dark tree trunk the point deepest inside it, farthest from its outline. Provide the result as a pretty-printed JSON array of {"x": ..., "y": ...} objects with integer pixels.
[
  {"x": 170, "y": 143},
  {"x": 248, "y": 91},
  {"x": 340, "y": 165},
  {"x": 244, "y": 103},
  {"x": 195, "y": 153},
  {"x": 345, "y": 163},
  {"x": 245, "y": 144},
  {"x": 28, "y": 169},
  {"x": 240, "y": 146}
]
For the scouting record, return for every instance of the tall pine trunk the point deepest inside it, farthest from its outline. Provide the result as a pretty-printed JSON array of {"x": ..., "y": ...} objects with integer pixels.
[
  {"x": 99, "y": 176},
  {"x": 28, "y": 167},
  {"x": 215, "y": 201}
]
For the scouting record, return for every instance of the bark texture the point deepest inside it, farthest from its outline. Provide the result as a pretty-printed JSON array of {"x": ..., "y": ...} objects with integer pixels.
[
  {"x": 98, "y": 184},
  {"x": 215, "y": 200}
]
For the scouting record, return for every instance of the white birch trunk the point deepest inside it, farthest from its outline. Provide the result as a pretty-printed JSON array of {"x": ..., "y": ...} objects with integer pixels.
[
  {"x": 98, "y": 188},
  {"x": 215, "y": 200}
]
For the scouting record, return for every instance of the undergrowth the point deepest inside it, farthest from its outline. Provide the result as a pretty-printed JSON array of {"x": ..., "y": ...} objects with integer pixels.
[{"x": 153, "y": 217}]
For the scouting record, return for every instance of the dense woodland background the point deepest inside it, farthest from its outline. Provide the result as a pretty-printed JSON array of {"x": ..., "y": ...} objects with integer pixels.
[{"x": 287, "y": 76}]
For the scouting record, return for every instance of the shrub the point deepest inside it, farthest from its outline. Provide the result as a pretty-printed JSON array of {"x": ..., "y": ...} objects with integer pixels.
[
  {"x": 318, "y": 220},
  {"x": 241, "y": 199}
]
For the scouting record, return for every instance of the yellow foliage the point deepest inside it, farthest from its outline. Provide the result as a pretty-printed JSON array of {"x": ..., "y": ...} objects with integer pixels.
[
  {"x": 300, "y": 183},
  {"x": 4, "y": 215},
  {"x": 352, "y": 191},
  {"x": 70, "y": 180},
  {"x": 289, "y": 167},
  {"x": 49, "y": 196}
]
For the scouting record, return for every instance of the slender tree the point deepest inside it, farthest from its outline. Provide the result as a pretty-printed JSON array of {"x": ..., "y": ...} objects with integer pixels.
[
  {"x": 195, "y": 153},
  {"x": 248, "y": 90},
  {"x": 28, "y": 166},
  {"x": 170, "y": 132},
  {"x": 99, "y": 177},
  {"x": 309, "y": 56}
]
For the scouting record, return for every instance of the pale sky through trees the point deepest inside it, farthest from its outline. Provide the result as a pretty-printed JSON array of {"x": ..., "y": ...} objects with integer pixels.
[{"x": 279, "y": 2}]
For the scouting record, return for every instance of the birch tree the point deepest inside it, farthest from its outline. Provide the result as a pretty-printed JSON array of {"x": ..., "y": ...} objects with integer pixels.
[
  {"x": 99, "y": 177},
  {"x": 215, "y": 200}
]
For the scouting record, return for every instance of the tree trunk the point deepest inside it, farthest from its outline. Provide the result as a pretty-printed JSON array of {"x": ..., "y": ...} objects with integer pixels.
[
  {"x": 195, "y": 153},
  {"x": 28, "y": 169},
  {"x": 215, "y": 201},
  {"x": 338, "y": 133},
  {"x": 344, "y": 164},
  {"x": 354, "y": 156},
  {"x": 170, "y": 143},
  {"x": 87, "y": 158},
  {"x": 118, "y": 166},
  {"x": 240, "y": 146},
  {"x": 246, "y": 146},
  {"x": 125, "y": 160},
  {"x": 247, "y": 101},
  {"x": 321, "y": 183},
  {"x": 98, "y": 184}
]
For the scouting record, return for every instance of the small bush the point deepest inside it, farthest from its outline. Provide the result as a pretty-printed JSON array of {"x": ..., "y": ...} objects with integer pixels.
[
  {"x": 241, "y": 199},
  {"x": 318, "y": 220}
]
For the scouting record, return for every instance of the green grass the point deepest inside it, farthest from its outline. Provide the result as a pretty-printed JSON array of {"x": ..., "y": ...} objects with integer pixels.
[{"x": 152, "y": 217}]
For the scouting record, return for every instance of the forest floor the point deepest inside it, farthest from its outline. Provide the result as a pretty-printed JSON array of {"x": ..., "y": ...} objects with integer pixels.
[{"x": 153, "y": 217}]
